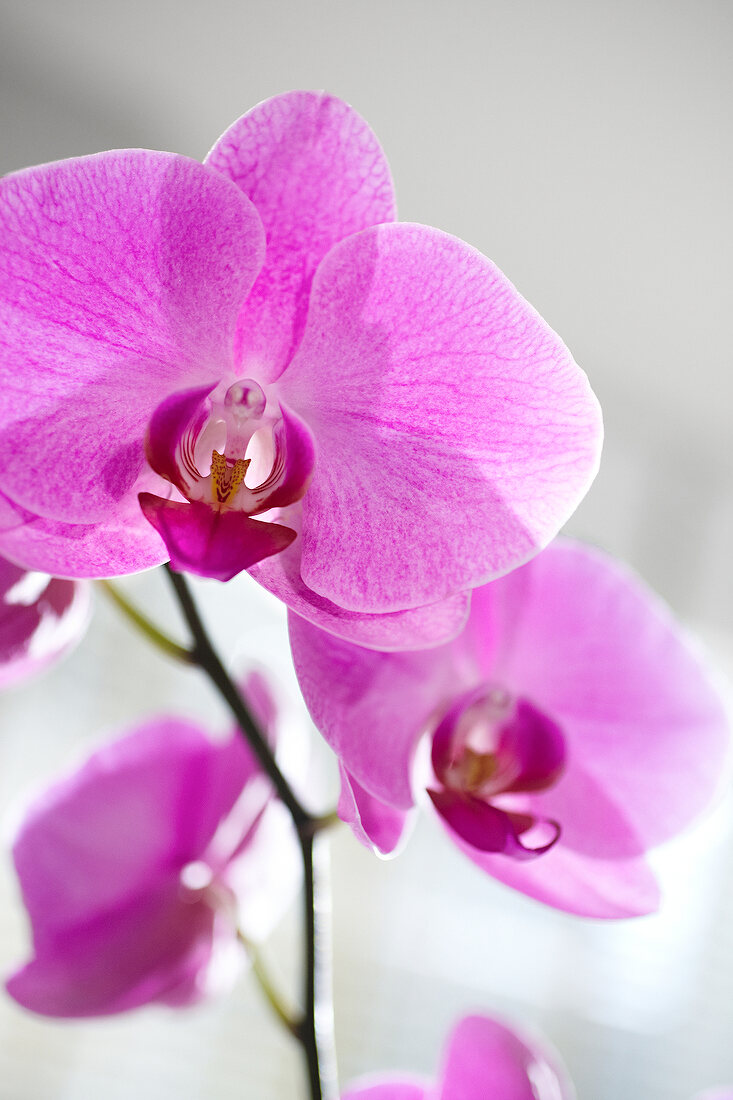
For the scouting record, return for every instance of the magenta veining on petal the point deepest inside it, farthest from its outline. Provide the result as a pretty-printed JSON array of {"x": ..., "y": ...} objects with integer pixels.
[{"x": 276, "y": 269}]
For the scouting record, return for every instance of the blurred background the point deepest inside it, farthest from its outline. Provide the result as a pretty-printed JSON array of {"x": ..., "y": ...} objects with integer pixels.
[{"x": 585, "y": 147}]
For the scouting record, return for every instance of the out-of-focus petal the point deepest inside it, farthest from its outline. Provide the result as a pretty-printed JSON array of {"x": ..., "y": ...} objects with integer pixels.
[
  {"x": 374, "y": 823},
  {"x": 372, "y": 706},
  {"x": 121, "y": 278},
  {"x": 645, "y": 729},
  {"x": 455, "y": 433},
  {"x": 210, "y": 543},
  {"x": 485, "y": 1058},
  {"x": 393, "y": 1088},
  {"x": 537, "y": 744},
  {"x": 41, "y": 618},
  {"x": 266, "y": 876},
  {"x": 137, "y": 811},
  {"x": 316, "y": 174},
  {"x": 156, "y": 948}
]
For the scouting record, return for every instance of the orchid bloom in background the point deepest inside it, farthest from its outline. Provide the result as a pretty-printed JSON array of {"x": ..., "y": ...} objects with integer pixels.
[
  {"x": 569, "y": 729},
  {"x": 484, "y": 1060},
  {"x": 247, "y": 364},
  {"x": 41, "y": 619},
  {"x": 140, "y": 870},
  {"x": 716, "y": 1094}
]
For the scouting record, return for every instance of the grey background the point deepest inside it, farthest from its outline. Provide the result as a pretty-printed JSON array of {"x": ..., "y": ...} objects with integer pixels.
[{"x": 586, "y": 148}]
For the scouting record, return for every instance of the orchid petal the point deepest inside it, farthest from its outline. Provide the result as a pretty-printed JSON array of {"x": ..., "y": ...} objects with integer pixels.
[
  {"x": 154, "y": 949},
  {"x": 316, "y": 174},
  {"x": 121, "y": 279},
  {"x": 644, "y": 726},
  {"x": 371, "y": 707},
  {"x": 485, "y": 1058},
  {"x": 454, "y": 430},
  {"x": 536, "y": 743},
  {"x": 484, "y": 828},
  {"x": 374, "y": 823},
  {"x": 294, "y": 457},
  {"x": 267, "y": 875},
  {"x": 41, "y": 618},
  {"x": 138, "y": 810},
  {"x": 210, "y": 543},
  {"x": 399, "y": 630},
  {"x": 529, "y": 740},
  {"x": 111, "y": 549},
  {"x": 167, "y": 426},
  {"x": 591, "y": 648},
  {"x": 598, "y": 866}
]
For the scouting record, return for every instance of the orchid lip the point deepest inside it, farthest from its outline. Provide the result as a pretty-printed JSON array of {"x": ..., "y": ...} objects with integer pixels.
[
  {"x": 229, "y": 448},
  {"x": 488, "y": 745},
  {"x": 237, "y": 434},
  {"x": 206, "y": 442}
]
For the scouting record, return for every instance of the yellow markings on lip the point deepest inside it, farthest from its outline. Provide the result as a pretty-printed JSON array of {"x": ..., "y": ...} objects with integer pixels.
[
  {"x": 226, "y": 478},
  {"x": 477, "y": 768}
]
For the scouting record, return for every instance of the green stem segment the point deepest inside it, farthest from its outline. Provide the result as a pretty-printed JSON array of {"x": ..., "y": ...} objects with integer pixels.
[
  {"x": 314, "y": 1030},
  {"x": 272, "y": 995},
  {"x": 145, "y": 626}
]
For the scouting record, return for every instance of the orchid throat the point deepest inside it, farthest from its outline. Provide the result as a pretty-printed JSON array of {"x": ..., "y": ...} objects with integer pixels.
[
  {"x": 491, "y": 752},
  {"x": 209, "y": 445}
]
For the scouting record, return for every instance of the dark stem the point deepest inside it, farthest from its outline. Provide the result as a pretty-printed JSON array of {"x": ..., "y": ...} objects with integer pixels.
[
  {"x": 206, "y": 658},
  {"x": 314, "y": 1030},
  {"x": 318, "y": 1017}
]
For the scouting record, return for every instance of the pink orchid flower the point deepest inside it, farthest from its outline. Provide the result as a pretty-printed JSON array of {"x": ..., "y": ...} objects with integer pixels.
[
  {"x": 139, "y": 870},
  {"x": 569, "y": 729},
  {"x": 41, "y": 619},
  {"x": 203, "y": 361},
  {"x": 483, "y": 1059}
]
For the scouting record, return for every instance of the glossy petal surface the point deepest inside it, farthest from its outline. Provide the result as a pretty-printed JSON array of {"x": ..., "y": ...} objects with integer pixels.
[
  {"x": 121, "y": 279},
  {"x": 316, "y": 174},
  {"x": 41, "y": 617},
  {"x": 455, "y": 433}
]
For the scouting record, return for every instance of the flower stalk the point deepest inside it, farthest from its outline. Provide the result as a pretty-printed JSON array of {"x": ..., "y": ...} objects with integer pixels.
[
  {"x": 142, "y": 623},
  {"x": 314, "y": 1029}
]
